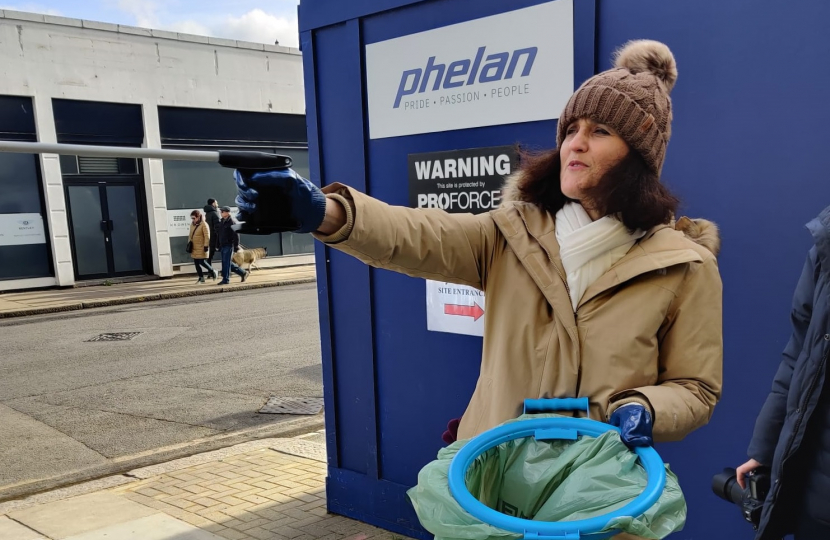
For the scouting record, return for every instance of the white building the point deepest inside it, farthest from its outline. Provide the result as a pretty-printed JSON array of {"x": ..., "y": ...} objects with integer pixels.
[{"x": 66, "y": 219}]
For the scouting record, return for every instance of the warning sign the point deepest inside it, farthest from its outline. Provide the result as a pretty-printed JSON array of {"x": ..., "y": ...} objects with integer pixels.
[{"x": 458, "y": 181}]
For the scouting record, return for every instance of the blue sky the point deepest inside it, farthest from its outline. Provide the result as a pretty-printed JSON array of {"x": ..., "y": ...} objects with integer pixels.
[{"x": 262, "y": 21}]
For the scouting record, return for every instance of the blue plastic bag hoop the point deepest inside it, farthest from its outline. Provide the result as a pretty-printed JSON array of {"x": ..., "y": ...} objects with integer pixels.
[{"x": 551, "y": 428}]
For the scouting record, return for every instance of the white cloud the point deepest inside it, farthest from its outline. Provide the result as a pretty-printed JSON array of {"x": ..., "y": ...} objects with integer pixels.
[
  {"x": 32, "y": 8},
  {"x": 256, "y": 25},
  {"x": 188, "y": 27},
  {"x": 260, "y": 27},
  {"x": 144, "y": 12}
]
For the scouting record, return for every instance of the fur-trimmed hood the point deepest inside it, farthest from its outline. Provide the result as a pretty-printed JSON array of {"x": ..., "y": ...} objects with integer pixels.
[{"x": 701, "y": 231}]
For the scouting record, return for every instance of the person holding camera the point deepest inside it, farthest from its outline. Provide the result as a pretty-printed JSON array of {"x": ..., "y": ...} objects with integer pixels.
[
  {"x": 593, "y": 289},
  {"x": 792, "y": 432}
]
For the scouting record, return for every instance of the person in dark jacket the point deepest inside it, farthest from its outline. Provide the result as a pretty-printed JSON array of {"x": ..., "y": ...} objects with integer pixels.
[
  {"x": 212, "y": 219},
  {"x": 792, "y": 432},
  {"x": 228, "y": 244}
]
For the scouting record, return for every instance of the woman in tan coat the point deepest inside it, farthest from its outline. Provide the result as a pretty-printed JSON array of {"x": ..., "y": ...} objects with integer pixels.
[
  {"x": 593, "y": 288},
  {"x": 199, "y": 243}
]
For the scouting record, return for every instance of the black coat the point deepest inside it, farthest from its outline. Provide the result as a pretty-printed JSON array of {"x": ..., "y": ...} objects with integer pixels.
[
  {"x": 226, "y": 236},
  {"x": 792, "y": 433},
  {"x": 212, "y": 218}
]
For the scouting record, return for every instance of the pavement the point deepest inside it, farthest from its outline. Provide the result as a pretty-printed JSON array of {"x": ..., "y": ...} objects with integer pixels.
[
  {"x": 193, "y": 379},
  {"x": 55, "y": 300},
  {"x": 272, "y": 489}
]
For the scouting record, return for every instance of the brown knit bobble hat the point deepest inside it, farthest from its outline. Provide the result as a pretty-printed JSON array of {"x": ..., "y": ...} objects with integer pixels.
[{"x": 632, "y": 98}]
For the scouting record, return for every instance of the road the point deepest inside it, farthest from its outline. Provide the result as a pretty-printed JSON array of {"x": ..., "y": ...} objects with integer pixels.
[{"x": 200, "y": 369}]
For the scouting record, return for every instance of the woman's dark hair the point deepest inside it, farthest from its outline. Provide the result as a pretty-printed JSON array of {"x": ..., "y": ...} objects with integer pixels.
[
  {"x": 629, "y": 189},
  {"x": 195, "y": 213}
]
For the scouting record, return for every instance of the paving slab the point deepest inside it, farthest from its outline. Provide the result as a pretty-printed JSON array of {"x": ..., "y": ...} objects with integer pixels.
[
  {"x": 78, "y": 515},
  {"x": 155, "y": 527},
  {"x": 12, "y": 530},
  {"x": 60, "y": 494}
]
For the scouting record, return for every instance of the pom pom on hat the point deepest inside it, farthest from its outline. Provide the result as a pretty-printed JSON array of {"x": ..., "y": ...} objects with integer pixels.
[{"x": 644, "y": 55}]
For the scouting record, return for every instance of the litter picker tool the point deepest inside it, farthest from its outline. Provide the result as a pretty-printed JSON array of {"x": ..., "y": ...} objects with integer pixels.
[
  {"x": 243, "y": 160},
  {"x": 232, "y": 159}
]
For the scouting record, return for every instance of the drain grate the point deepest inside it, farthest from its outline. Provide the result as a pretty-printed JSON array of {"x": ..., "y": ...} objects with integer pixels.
[
  {"x": 292, "y": 405},
  {"x": 115, "y": 336}
]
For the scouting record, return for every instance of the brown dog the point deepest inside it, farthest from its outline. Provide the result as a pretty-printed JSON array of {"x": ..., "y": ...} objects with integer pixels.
[{"x": 247, "y": 258}]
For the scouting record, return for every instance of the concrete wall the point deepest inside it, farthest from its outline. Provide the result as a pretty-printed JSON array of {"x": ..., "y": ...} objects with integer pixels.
[{"x": 46, "y": 57}]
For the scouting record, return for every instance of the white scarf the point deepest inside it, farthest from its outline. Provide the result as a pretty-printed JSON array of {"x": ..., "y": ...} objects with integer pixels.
[{"x": 589, "y": 248}]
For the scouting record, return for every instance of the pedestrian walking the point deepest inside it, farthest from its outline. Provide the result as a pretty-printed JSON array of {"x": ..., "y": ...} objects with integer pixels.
[
  {"x": 212, "y": 218},
  {"x": 228, "y": 242},
  {"x": 199, "y": 246}
]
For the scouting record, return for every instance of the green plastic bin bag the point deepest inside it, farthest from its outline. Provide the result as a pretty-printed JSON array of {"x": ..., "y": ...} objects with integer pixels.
[{"x": 546, "y": 481}]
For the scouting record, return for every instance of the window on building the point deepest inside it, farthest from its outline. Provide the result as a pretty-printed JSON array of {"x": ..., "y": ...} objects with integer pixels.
[
  {"x": 24, "y": 243},
  {"x": 24, "y": 246},
  {"x": 84, "y": 165}
]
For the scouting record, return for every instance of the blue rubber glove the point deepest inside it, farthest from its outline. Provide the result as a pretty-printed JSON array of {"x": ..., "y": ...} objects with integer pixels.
[
  {"x": 635, "y": 425},
  {"x": 278, "y": 200}
]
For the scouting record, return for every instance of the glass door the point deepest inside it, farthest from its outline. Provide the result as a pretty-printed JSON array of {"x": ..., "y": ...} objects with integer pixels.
[
  {"x": 125, "y": 231},
  {"x": 106, "y": 229},
  {"x": 89, "y": 233}
]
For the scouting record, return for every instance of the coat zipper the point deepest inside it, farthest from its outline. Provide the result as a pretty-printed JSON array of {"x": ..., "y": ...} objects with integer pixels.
[
  {"x": 803, "y": 411},
  {"x": 568, "y": 290},
  {"x": 565, "y": 281}
]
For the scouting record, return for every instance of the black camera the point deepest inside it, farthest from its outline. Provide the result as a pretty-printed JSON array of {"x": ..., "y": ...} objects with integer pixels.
[{"x": 750, "y": 500}]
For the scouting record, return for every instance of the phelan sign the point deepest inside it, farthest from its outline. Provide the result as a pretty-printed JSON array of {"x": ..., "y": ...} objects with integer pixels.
[
  {"x": 500, "y": 66},
  {"x": 454, "y": 78}
]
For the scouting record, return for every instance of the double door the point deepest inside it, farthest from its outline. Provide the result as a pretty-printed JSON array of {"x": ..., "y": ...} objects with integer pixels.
[{"x": 107, "y": 228}]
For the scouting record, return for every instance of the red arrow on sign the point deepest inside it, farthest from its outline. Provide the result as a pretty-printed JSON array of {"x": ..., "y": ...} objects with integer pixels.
[{"x": 473, "y": 311}]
